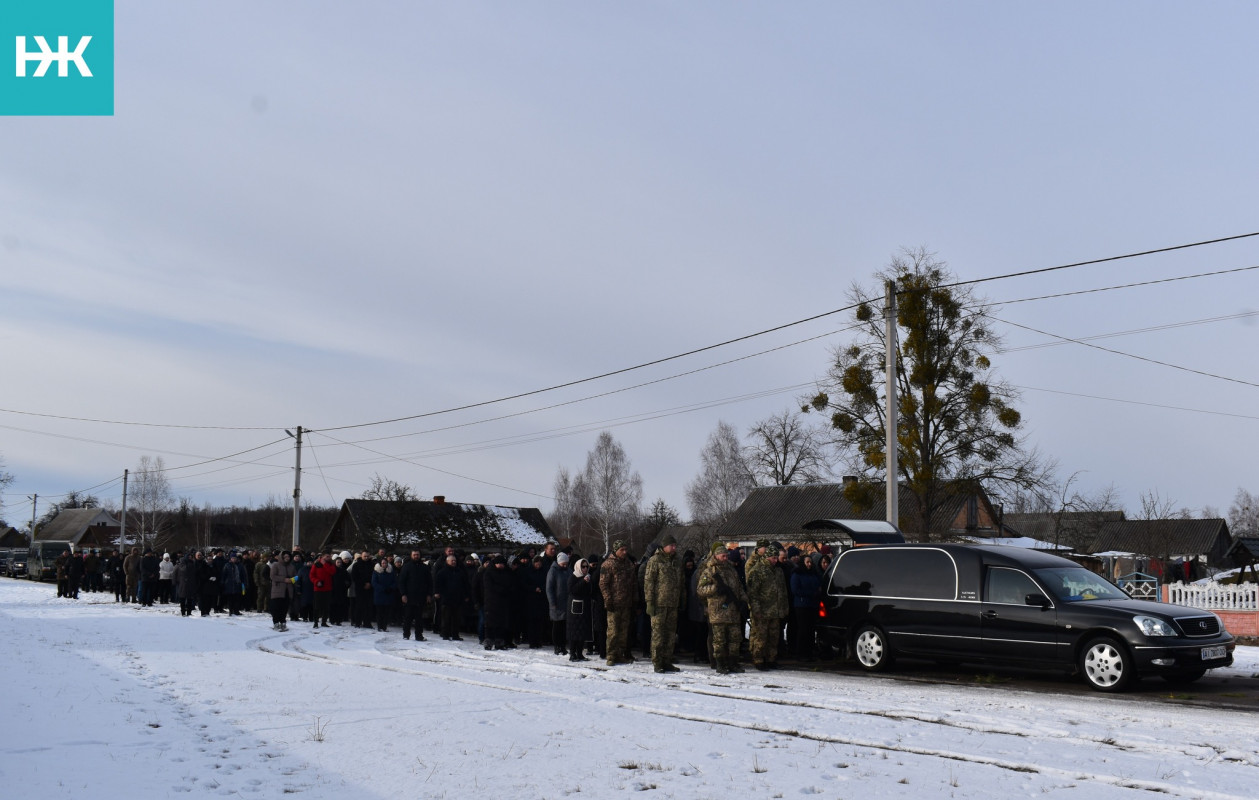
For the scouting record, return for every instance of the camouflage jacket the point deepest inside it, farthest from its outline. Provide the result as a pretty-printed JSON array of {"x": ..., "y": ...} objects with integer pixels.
[
  {"x": 617, "y": 583},
  {"x": 665, "y": 583},
  {"x": 719, "y": 585},
  {"x": 767, "y": 590}
]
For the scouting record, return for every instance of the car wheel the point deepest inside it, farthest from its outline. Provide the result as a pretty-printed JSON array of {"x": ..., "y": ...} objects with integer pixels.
[
  {"x": 1184, "y": 676},
  {"x": 1106, "y": 666},
  {"x": 871, "y": 649}
]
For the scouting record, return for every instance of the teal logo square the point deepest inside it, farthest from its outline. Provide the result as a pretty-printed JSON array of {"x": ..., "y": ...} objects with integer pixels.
[{"x": 57, "y": 57}]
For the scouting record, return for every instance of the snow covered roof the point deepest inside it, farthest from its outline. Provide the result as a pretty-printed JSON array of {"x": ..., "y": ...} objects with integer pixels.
[{"x": 428, "y": 524}]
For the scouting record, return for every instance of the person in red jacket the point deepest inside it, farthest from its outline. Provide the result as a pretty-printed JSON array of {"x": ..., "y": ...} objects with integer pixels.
[{"x": 322, "y": 575}]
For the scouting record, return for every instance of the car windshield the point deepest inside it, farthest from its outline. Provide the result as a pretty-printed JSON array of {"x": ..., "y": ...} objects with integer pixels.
[{"x": 1077, "y": 583}]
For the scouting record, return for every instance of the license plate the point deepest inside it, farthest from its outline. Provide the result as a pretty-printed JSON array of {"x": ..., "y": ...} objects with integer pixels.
[{"x": 1212, "y": 653}]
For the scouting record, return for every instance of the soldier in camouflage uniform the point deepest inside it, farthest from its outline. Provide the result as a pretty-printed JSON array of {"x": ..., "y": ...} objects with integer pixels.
[
  {"x": 618, "y": 581},
  {"x": 767, "y": 593},
  {"x": 719, "y": 585},
  {"x": 664, "y": 588}
]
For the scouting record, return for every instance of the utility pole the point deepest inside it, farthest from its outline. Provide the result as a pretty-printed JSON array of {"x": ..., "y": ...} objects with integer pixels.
[
  {"x": 297, "y": 490},
  {"x": 892, "y": 411},
  {"x": 122, "y": 534},
  {"x": 34, "y": 503}
]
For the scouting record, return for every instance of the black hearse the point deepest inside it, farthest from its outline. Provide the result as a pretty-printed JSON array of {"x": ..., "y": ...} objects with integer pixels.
[{"x": 1011, "y": 606}]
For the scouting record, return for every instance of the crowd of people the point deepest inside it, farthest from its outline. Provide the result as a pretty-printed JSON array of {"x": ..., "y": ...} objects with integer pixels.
[{"x": 664, "y": 603}]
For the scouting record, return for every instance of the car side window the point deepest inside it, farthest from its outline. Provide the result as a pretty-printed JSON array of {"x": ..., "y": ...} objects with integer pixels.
[{"x": 1009, "y": 586}]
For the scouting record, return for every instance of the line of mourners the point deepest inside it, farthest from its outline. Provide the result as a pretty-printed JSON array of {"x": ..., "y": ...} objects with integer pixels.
[{"x": 663, "y": 604}]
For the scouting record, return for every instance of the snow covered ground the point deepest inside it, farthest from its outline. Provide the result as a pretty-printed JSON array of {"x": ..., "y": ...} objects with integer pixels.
[{"x": 110, "y": 701}]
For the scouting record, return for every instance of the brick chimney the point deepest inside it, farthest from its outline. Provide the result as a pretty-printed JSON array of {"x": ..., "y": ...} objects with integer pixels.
[{"x": 439, "y": 499}]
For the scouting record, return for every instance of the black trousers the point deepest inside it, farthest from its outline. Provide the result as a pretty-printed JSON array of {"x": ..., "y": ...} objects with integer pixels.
[
  {"x": 323, "y": 604},
  {"x": 279, "y": 607}
]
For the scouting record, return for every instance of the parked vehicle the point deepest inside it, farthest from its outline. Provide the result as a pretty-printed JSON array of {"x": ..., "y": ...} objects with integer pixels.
[
  {"x": 5, "y": 554},
  {"x": 16, "y": 566},
  {"x": 1014, "y": 607},
  {"x": 41, "y": 561}
]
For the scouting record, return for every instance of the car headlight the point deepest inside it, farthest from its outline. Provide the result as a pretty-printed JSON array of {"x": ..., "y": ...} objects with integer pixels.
[{"x": 1153, "y": 626}]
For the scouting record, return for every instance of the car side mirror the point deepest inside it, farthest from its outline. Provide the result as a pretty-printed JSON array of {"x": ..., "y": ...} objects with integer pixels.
[{"x": 1037, "y": 600}]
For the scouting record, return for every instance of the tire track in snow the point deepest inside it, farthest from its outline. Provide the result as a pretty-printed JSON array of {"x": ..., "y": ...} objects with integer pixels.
[{"x": 1080, "y": 775}]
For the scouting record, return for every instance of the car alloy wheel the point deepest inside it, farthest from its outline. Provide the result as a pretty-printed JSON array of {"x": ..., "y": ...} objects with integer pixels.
[
  {"x": 870, "y": 647},
  {"x": 1105, "y": 665}
]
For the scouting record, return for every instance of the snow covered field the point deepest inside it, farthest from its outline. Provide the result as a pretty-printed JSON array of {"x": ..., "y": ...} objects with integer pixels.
[{"x": 110, "y": 701}]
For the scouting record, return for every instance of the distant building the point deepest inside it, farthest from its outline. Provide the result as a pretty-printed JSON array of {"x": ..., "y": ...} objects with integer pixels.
[
  {"x": 402, "y": 525},
  {"x": 12, "y": 537},
  {"x": 1077, "y": 530},
  {"x": 1172, "y": 549},
  {"x": 779, "y": 513},
  {"x": 83, "y": 528}
]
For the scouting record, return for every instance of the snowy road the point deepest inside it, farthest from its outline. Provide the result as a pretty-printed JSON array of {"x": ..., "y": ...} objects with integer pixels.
[{"x": 102, "y": 696}]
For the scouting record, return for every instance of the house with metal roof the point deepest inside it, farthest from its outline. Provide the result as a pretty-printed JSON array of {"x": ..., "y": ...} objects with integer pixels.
[
  {"x": 1169, "y": 542},
  {"x": 780, "y": 513},
  {"x": 82, "y": 527},
  {"x": 401, "y": 525},
  {"x": 1077, "y": 530}
]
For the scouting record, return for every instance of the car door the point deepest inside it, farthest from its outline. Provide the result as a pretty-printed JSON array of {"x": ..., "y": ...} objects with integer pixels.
[{"x": 1012, "y": 630}]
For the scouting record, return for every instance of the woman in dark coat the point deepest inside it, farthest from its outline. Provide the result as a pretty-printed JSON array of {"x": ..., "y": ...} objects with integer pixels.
[
  {"x": 186, "y": 584},
  {"x": 580, "y": 610},
  {"x": 500, "y": 588},
  {"x": 207, "y": 578},
  {"x": 384, "y": 584}
]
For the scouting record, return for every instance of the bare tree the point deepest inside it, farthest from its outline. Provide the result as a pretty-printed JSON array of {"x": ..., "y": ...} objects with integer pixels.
[
  {"x": 614, "y": 490},
  {"x": 956, "y": 420},
  {"x": 151, "y": 500},
  {"x": 1243, "y": 514},
  {"x": 383, "y": 488},
  {"x": 572, "y": 505},
  {"x": 6, "y": 478},
  {"x": 783, "y": 450},
  {"x": 724, "y": 478}
]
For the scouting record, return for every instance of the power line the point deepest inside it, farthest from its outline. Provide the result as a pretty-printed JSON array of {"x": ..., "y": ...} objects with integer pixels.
[
  {"x": 1121, "y": 286},
  {"x": 434, "y": 469},
  {"x": 1099, "y": 260},
  {"x": 141, "y": 424},
  {"x": 1134, "y": 331},
  {"x": 1138, "y": 402},
  {"x": 1129, "y": 355}
]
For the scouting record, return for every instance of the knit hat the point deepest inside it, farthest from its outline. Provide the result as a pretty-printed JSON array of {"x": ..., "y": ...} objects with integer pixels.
[
  {"x": 762, "y": 543},
  {"x": 717, "y": 547},
  {"x": 562, "y": 559},
  {"x": 771, "y": 551},
  {"x": 668, "y": 540},
  {"x": 618, "y": 544}
]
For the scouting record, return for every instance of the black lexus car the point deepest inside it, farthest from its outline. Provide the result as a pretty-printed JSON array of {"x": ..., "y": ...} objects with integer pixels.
[{"x": 1014, "y": 607}]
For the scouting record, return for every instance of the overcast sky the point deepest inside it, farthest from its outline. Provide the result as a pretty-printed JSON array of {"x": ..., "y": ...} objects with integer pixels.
[{"x": 329, "y": 213}]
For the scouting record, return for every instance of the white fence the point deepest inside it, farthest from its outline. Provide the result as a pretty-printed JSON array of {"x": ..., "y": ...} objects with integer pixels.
[{"x": 1215, "y": 596}]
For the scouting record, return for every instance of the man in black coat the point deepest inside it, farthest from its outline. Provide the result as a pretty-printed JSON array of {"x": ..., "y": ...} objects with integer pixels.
[
  {"x": 453, "y": 592},
  {"x": 500, "y": 588},
  {"x": 416, "y": 586},
  {"x": 149, "y": 574}
]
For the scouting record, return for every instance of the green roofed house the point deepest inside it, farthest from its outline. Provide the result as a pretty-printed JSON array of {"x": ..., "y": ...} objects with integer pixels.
[{"x": 401, "y": 525}]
